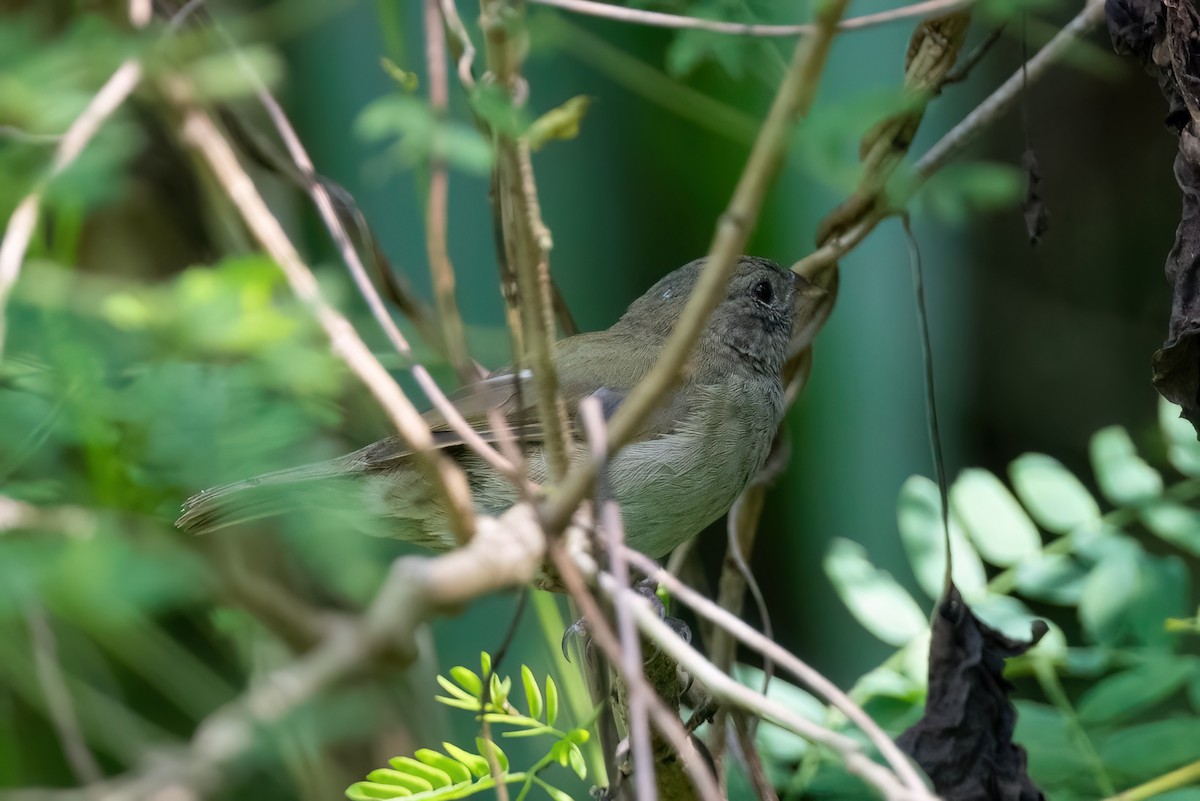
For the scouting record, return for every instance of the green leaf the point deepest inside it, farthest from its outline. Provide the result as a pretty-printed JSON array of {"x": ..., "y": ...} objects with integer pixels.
[
  {"x": 485, "y": 746},
  {"x": 876, "y": 600},
  {"x": 1125, "y": 694},
  {"x": 551, "y": 700},
  {"x": 1183, "y": 448},
  {"x": 457, "y": 772},
  {"x": 436, "y": 777},
  {"x": 575, "y": 758},
  {"x": 371, "y": 791},
  {"x": 960, "y": 189},
  {"x": 919, "y": 517},
  {"x": 1055, "y": 751},
  {"x": 456, "y": 691},
  {"x": 994, "y": 520},
  {"x": 780, "y": 744},
  {"x": 468, "y": 680},
  {"x": 1055, "y": 498},
  {"x": 554, "y": 793},
  {"x": 1124, "y": 477},
  {"x": 1139, "y": 753},
  {"x": 1129, "y": 595},
  {"x": 485, "y": 663},
  {"x": 1175, "y": 523},
  {"x": 533, "y": 695},
  {"x": 418, "y": 136},
  {"x": 399, "y": 778},
  {"x": 474, "y": 762},
  {"x": 1053, "y": 578}
]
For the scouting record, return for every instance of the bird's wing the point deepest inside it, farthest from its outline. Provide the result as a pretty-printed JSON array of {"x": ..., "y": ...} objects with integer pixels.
[{"x": 597, "y": 369}]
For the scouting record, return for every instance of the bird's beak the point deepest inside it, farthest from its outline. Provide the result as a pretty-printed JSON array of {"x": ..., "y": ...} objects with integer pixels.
[{"x": 813, "y": 305}]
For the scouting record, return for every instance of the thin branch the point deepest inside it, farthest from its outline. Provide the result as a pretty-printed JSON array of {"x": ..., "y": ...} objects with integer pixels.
[
  {"x": 1182, "y": 777},
  {"x": 893, "y": 786},
  {"x": 24, "y": 219},
  {"x": 660, "y": 19},
  {"x": 325, "y": 207},
  {"x": 1001, "y": 100},
  {"x": 58, "y": 698},
  {"x": 950, "y": 145},
  {"x": 466, "y": 58},
  {"x": 527, "y": 241},
  {"x": 609, "y": 520},
  {"x": 439, "y": 189},
  {"x": 667, "y": 723},
  {"x": 788, "y": 661},
  {"x": 792, "y": 101},
  {"x": 447, "y": 479}
]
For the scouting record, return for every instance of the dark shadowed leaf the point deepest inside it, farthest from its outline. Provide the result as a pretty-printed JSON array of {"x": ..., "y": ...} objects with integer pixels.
[
  {"x": 1165, "y": 38},
  {"x": 1126, "y": 694},
  {"x": 1142, "y": 752}
]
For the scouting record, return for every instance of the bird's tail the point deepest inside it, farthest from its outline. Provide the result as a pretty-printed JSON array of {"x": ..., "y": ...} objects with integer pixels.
[{"x": 253, "y": 498}]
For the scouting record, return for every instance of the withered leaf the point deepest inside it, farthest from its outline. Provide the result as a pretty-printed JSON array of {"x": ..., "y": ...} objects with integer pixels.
[
  {"x": 1164, "y": 35},
  {"x": 1037, "y": 217},
  {"x": 964, "y": 741}
]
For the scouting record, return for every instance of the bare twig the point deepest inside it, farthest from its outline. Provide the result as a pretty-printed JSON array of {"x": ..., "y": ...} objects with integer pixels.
[
  {"x": 1181, "y": 777},
  {"x": 24, "y": 219},
  {"x": 950, "y": 145},
  {"x": 466, "y": 58},
  {"x": 663, "y": 719},
  {"x": 609, "y": 519},
  {"x": 902, "y": 784},
  {"x": 791, "y": 102},
  {"x": 58, "y": 698},
  {"x": 325, "y": 207},
  {"x": 788, "y": 661},
  {"x": 660, "y": 19},
  {"x": 439, "y": 190},
  {"x": 447, "y": 479},
  {"x": 527, "y": 241},
  {"x": 1001, "y": 100}
]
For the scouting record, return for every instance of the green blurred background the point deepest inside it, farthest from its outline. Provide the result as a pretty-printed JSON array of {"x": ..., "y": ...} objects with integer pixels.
[{"x": 128, "y": 386}]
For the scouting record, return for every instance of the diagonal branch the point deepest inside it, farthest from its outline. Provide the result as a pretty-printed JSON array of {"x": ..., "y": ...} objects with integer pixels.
[
  {"x": 792, "y": 101},
  {"x": 447, "y": 479}
]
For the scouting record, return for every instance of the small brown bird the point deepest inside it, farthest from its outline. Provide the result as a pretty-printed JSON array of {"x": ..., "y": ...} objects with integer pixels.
[{"x": 685, "y": 466}]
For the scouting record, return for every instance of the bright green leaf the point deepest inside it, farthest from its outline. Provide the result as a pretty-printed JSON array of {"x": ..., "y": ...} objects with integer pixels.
[
  {"x": 399, "y": 778},
  {"x": 1055, "y": 498},
  {"x": 474, "y": 762},
  {"x": 457, "y": 772},
  {"x": 919, "y": 516},
  {"x": 993, "y": 519},
  {"x": 1183, "y": 448},
  {"x": 1175, "y": 523},
  {"x": 876, "y": 600},
  {"x": 1124, "y": 477},
  {"x": 551, "y": 700},
  {"x": 371, "y": 791},
  {"x": 533, "y": 695},
  {"x": 468, "y": 680},
  {"x": 1053, "y": 578}
]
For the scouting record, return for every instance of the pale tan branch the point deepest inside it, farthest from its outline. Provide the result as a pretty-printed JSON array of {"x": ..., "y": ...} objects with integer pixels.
[
  {"x": 902, "y": 784},
  {"x": 448, "y": 480},
  {"x": 791, "y": 102},
  {"x": 608, "y": 518},
  {"x": 788, "y": 661},
  {"x": 23, "y": 221},
  {"x": 660, "y": 19}
]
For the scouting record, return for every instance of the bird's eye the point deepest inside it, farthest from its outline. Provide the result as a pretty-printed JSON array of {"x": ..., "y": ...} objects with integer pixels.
[{"x": 763, "y": 292}]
